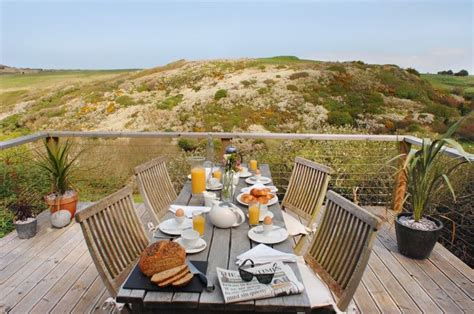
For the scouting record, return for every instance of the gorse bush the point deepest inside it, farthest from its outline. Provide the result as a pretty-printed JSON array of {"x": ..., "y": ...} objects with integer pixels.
[{"x": 298, "y": 75}]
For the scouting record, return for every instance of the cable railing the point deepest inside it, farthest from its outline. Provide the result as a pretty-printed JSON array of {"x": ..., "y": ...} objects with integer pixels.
[{"x": 365, "y": 166}]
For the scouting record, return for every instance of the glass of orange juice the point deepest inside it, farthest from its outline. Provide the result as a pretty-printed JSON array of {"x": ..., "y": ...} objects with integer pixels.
[
  {"x": 217, "y": 173},
  {"x": 254, "y": 213},
  {"x": 198, "y": 175},
  {"x": 199, "y": 222},
  {"x": 253, "y": 165}
]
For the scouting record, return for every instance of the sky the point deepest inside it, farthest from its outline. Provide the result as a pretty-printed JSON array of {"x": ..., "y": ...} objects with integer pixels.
[{"x": 109, "y": 34}]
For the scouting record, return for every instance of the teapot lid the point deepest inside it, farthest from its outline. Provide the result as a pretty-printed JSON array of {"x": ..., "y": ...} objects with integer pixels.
[{"x": 231, "y": 149}]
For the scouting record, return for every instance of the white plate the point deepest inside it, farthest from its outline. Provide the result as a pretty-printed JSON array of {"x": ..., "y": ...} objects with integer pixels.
[
  {"x": 262, "y": 216},
  {"x": 247, "y": 190},
  {"x": 263, "y": 180},
  {"x": 216, "y": 188},
  {"x": 245, "y": 175},
  {"x": 270, "y": 202},
  {"x": 200, "y": 246},
  {"x": 170, "y": 226},
  {"x": 273, "y": 237}
]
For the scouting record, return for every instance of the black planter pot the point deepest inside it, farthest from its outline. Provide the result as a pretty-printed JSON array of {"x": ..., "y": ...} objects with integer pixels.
[
  {"x": 415, "y": 243},
  {"x": 27, "y": 230}
]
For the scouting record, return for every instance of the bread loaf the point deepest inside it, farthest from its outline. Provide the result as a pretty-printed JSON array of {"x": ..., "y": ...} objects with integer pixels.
[{"x": 160, "y": 256}]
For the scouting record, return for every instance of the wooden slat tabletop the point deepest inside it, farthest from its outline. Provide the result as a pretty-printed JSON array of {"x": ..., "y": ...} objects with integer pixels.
[{"x": 224, "y": 245}]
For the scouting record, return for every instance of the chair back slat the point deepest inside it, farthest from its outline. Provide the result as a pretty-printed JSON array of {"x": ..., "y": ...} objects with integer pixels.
[
  {"x": 155, "y": 186},
  {"x": 340, "y": 249},
  {"x": 306, "y": 189},
  {"x": 114, "y": 236}
]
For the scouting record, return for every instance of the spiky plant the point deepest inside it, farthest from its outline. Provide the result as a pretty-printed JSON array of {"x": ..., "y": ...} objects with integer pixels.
[
  {"x": 58, "y": 163},
  {"x": 426, "y": 175}
]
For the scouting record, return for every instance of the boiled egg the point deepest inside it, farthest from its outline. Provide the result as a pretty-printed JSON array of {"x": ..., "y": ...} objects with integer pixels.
[
  {"x": 179, "y": 212},
  {"x": 267, "y": 220}
]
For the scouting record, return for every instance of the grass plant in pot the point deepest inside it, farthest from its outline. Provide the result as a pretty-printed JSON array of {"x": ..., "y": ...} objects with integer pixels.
[
  {"x": 23, "y": 208},
  {"x": 59, "y": 165},
  {"x": 416, "y": 231}
]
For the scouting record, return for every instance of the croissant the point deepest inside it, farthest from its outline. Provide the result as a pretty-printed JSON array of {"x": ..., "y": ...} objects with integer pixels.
[{"x": 256, "y": 192}]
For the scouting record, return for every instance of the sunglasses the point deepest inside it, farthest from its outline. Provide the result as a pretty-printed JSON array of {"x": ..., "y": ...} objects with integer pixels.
[{"x": 248, "y": 276}]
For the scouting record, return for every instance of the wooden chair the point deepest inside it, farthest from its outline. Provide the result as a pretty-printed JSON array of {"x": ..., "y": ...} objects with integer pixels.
[
  {"x": 155, "y": 186},
  {"x": 114, "y": 236},
  {"x": 306, "y": 191},
  {"x": 340, "y": 250}
]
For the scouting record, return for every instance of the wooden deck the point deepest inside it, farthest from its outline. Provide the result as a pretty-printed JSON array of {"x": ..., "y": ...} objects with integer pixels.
[{"x": 53, "y": 272}]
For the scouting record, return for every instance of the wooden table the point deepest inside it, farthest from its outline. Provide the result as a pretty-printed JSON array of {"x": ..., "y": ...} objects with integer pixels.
[{"x": 224, "y": 245}]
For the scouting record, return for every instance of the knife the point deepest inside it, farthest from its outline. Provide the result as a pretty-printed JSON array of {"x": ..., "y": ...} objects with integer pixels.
[{"x": 202, "y": 277}]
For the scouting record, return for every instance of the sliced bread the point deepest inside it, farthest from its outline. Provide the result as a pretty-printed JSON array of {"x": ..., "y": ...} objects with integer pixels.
[
  {"x": 167, "y": 274},
  {"x": 175, "y": 278},
  {"x": 183, "y": 281}
]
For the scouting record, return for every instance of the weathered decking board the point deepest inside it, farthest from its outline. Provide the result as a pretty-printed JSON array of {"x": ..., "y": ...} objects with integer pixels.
[{"x": 54, "y": 272}]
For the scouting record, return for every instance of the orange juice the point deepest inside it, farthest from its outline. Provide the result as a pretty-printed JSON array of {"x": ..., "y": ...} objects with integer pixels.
[
  {"x": 217, "y": 174},
  {"x": 199, "y": 222},
  {"x": 253, "y": 165},
  {"x": 198, "y": 180},
  {"x": 254, "y": 213}
]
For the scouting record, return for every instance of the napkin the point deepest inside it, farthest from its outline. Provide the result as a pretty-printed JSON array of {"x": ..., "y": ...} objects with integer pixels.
[
  {"x": 262, "y": 254},
  {"x": 188, "y": 210},
  {"x": 293, "y": 226},
  {"x": 258, "y": 186}
]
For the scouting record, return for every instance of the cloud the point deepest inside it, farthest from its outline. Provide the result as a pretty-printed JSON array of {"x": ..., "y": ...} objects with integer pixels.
[{"x": 433, "y": 60}]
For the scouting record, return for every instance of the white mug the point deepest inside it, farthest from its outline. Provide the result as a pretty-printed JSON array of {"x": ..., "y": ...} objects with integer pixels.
[{"x": 190, "y": 237}]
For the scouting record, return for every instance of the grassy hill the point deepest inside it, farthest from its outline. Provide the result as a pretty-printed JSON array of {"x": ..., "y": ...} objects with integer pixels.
[{"x": 280, "y": 94}]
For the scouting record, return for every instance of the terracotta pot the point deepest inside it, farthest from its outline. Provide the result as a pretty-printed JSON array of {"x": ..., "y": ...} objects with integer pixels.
[{"x": 67, "y": 203}]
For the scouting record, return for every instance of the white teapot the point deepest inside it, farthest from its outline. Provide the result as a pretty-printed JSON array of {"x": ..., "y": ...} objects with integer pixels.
[{"x": 226, "y": 215}]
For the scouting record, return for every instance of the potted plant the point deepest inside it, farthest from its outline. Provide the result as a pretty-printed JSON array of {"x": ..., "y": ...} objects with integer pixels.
[
  {"x": 417, "y": 233},
  {"x": 59, "y": 165},
  {"x": 23, "y": 208}
]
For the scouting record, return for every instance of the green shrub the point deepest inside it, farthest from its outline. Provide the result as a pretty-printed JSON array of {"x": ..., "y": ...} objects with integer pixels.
[
  {"x": 298, "y": 75},
  {"x": 337, "y": 68},
  {"x": 125, "y": 101},
  {"x": 441, "y": 111},
  {"x": 291, "y": 87},
  {"x": 263, "y": 90},
  {"x": 143, "y": 88},
  {"x": 170, "y": 102},
  {"x": 221, "y": 93},
  {"x": 413, "y": 71},
  {"x": 414, "y": 127},
  {"x": 340, "y": 118},
  {"x": 269, "y": 82},
  {"x": 187, "y": 145}
]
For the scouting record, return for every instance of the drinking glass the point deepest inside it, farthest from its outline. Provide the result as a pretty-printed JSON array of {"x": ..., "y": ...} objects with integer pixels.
[
  {"x": 199, "y": 222},
  {"x": 253, "y": 165},
  {"x": 254, "y": 213},
  {"x": 198, "y": 175}
]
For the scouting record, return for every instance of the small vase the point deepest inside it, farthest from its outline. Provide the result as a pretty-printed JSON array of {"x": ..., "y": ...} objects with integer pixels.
[{"x": 228, "y": 186}]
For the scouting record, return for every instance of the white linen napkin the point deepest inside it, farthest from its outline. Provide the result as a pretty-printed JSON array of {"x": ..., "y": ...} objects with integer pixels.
[
  {"x": 188, "y": 210},
  {"x": 262, "y": 254},
  {"x": 293, "y": 226},
  {"x": 259, "y": 186}
]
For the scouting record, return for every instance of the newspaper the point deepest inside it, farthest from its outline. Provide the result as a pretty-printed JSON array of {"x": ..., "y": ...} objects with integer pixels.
[{"x": 235, "y": 289}]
